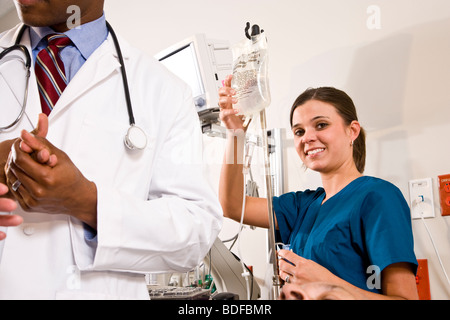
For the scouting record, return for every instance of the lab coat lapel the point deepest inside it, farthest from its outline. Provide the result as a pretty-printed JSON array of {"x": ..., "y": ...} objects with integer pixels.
[{"x": 97, "y": 67}]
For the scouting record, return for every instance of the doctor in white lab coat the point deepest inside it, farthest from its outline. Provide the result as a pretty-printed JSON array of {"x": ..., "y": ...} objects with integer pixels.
[{"x": 153, "y": 209}]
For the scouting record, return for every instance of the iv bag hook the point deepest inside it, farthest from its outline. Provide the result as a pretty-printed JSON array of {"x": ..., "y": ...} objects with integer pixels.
[{"x": 255, "y": 30}]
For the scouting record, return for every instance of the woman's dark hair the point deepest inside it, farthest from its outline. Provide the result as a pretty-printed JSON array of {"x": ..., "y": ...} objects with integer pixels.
[{"x": 346, "y": 109}]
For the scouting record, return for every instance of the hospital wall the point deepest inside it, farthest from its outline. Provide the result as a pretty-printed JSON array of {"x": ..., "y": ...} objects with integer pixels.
[{"x": 391, "y": 57}]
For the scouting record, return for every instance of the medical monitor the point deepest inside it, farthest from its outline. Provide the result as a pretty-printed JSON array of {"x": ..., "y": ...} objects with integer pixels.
[{"x": 203, "y": 64}]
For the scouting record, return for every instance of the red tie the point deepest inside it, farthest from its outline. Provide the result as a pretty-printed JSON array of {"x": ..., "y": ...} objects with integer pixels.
[{"x": 50, "y": 73}]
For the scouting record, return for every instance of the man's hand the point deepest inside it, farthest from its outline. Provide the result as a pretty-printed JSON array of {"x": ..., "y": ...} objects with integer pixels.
[
  {"x": 58, "y": 189},
  {"x": 42, "y": 156},
  {"x": 40, "y": 153}
]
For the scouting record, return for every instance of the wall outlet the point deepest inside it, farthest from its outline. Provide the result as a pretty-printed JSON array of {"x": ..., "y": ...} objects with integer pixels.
[{"x": 421, "y": 198}]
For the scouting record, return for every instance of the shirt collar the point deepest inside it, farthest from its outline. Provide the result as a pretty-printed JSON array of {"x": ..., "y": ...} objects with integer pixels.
[{"x": 87, "y": 37}]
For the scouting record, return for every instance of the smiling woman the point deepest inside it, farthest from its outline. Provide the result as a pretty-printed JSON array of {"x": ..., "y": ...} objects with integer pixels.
[
  {"x": 346, "y": 110},
  {"x": 341, "y": 230}
]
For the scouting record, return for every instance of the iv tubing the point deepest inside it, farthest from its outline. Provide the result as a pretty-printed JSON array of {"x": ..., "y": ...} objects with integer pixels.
[
  {"x": 245, "y": 170},
  {"x": 245, "y": 273}
]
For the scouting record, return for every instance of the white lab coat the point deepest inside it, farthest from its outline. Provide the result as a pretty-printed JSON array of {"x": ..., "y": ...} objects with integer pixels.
[{"x": 156, "y": 211}]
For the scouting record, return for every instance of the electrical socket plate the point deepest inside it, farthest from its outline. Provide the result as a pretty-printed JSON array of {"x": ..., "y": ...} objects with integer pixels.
[{"x": 418, "y": 188}]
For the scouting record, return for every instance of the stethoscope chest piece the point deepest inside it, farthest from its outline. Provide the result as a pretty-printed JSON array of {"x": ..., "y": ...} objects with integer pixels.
[{"x": 135, "y": 139}]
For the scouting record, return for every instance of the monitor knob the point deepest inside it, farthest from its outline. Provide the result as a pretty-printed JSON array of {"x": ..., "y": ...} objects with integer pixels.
[{"x": 200, "y": 102}]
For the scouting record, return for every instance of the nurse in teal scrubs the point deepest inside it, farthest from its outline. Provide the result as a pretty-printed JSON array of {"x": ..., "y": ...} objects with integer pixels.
[{"x": 355, "y": 231}]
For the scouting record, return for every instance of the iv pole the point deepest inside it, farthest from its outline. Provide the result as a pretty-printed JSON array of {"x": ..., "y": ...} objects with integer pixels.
[
  {"x": 273, "y": 258},
  {"x": 271, "y": 232}
]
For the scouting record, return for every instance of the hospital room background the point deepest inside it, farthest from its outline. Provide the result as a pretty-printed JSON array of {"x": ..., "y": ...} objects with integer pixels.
[{"x": 391, "y": 56}]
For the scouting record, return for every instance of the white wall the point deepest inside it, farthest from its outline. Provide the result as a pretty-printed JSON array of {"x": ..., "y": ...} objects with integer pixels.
[{"x": 398, "y": 76}]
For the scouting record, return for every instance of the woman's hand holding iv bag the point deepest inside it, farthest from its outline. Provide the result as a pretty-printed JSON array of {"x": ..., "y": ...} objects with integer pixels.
[{"x": 228, "y": 114}]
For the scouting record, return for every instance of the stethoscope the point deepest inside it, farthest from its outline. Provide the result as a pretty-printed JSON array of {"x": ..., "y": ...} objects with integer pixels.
[{"x": 135, "y": 138}]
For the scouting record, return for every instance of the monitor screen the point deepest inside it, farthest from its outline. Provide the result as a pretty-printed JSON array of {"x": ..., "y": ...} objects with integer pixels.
[
  {"x": 203, "y": 64},
  {"x": 184, "y": 63}
]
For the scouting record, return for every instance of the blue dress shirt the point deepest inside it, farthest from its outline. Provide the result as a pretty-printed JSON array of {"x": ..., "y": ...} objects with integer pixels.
[{"x": 86, "y": 39}]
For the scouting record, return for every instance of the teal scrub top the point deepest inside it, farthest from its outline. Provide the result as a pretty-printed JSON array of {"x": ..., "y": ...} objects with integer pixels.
[{"x": 363, "y": 228}]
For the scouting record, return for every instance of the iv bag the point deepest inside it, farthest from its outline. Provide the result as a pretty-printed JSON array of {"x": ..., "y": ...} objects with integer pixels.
[{"x": 250, "y": 75}]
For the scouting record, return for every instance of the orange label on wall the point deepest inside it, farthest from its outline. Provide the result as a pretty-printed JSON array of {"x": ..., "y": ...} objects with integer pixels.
[
  {"x": 444, "y": 194},
  {"x": 423, "y": 280}
]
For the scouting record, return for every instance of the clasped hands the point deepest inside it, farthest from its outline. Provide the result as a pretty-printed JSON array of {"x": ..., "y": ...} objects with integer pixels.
[{"x": 49, "y": 181}]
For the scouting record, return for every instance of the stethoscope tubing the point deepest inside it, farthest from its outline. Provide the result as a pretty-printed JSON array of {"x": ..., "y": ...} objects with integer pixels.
[{"x": 5, "y": 52}]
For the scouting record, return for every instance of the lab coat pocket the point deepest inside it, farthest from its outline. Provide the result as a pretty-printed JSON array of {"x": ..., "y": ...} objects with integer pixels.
[{"x": 103, "y": 155}]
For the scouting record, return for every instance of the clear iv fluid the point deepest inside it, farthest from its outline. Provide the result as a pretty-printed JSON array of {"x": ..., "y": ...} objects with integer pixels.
[{"x": 250, "y": 76}]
